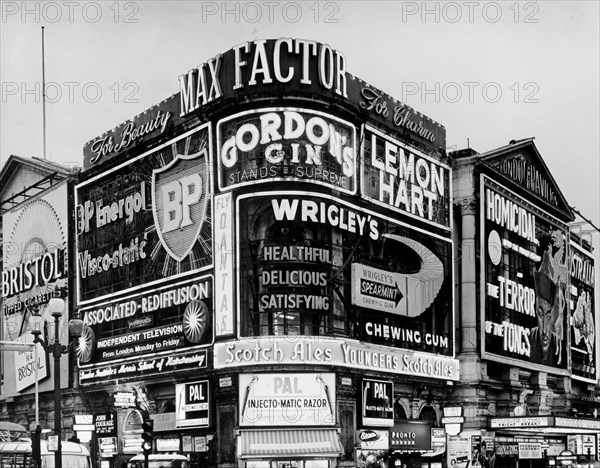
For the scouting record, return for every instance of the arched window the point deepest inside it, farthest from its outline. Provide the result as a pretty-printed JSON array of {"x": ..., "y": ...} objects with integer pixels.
[
  {"x": 399, "y": 412},
  {"x": 428, "y": 414}
]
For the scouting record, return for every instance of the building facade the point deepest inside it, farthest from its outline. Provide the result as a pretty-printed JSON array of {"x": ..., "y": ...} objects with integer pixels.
[{"x": 280, "y": 266}]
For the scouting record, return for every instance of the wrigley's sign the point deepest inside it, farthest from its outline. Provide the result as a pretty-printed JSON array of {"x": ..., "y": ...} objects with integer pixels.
[{"x": 332, "y": 352}]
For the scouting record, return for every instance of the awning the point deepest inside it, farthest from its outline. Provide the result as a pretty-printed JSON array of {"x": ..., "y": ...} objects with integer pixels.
[
  {"x": 289, "y": 442},
  {"x": 439, "y": 451}
]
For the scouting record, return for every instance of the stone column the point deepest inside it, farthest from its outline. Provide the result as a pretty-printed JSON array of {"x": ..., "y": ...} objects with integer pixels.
[{"x": 470, "y": 361}]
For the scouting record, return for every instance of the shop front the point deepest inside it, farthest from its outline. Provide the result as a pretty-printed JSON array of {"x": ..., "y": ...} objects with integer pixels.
[
  {"x": 540, "y": 441},
  {"x": 406, "y": 444},
  {"x": 287, "y": 420}
]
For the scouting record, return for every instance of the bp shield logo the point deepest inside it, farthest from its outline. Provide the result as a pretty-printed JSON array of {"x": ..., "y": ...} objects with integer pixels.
[{"x": 179, "y": 202}]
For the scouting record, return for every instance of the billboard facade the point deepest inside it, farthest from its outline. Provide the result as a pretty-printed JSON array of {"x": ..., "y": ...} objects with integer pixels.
[
  {"x": 397, "y": 176},
  {"x": 315, "y": 263},
  {"x": 160, "y": 321},
  {"x": 147, "y": 220},
  {"x": 175, "y": 247},
  {"x": 144, "y": 250},
  {"x": 582, "y": 310},
  {"x": 276, "y": 144},
  {"x": 525, "y": 274},
  {"x": 287, "y": 399},
  {"x": 35, "y": 269}
]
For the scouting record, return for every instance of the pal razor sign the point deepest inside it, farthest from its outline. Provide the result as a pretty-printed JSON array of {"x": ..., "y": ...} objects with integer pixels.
[{"x": 287, "y": 399}]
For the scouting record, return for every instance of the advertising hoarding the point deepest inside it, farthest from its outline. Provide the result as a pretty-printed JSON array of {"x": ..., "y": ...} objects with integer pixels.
[
  {"x": 144, "y": 367},
  {"x": 525, "y": 273},
  {"x": 106, "y": 424},
  {"x": 135, "y": 132},
  {"x": 410, "y": 435},
  {"x": 287, "y": 399},
  {"x": 377, "y": 403},
  {"x": 147, "y": 220},
  {"x": 399, "y": 177},
  {"x": 374, "y": 439},
  {"x": 35, "y": 268},
  {"x": 224, "y": 294},
  {"x": 176, "y": 317},
  {"x": 322, "y": 350},
  {"x": 192, "y": 403},
  {"x": 305, "y": 255},
  {"x": 284, "y": 67},
  {"x": 582, "y": 309},
  {"x": 277, "y": 144}
]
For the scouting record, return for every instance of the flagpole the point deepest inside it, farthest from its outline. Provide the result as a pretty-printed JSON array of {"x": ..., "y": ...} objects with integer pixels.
[{"x": 43, "y": 94}]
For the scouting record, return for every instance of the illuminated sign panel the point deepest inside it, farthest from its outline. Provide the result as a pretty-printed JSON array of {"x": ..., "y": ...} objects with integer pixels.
[
  {"x": 400, "y": 177},
  {"x": 278, "y": 144},
  {"x": 153, "y": 122},
  {"x": 147, "y": 220},
  {"x": 303, "y": 252},
  {"x": 541, "y": 421},
  {"x": 377, "y": 403},
  {"x": 411, "y": 435},
  {"x": 282, "y": 68},
  {"x": 150, "y": 366},
  {"x": 300, "y": 350},
  {"x": 287, "y": 399},
  {"x": 179, "y": 317},
  {"x": 35, "y": 267},
  {"x": 525, "y": 272},
  {"x": 192, "y": 403},
  {"x": 224, "y": 293},
  {"x": 106, "y": 424},
  {"x": 582, "y": 310}
]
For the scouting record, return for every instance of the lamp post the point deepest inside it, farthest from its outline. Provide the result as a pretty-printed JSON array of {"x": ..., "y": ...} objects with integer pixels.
[{"x": 56, "y": 307}]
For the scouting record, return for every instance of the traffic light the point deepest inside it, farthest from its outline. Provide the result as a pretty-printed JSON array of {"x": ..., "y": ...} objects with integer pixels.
[
  {"x": 36, "y": 453},
  {"x": 147, "y": 427}
]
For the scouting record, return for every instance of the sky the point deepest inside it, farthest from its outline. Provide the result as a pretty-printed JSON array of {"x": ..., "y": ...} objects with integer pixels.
[{"x": 490, "y": 72}]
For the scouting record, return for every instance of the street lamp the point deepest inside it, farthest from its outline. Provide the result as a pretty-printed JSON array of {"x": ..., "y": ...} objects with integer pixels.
[{"x": 56, "y": 306}]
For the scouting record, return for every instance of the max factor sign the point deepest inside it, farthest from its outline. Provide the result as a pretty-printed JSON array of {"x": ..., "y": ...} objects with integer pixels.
[
  {"x": 265, "y": 62},
  {"x": 332, "y": 351}
]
